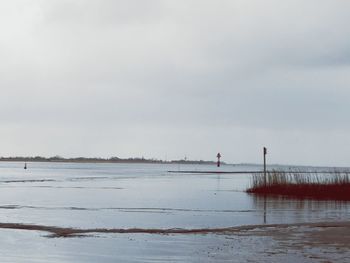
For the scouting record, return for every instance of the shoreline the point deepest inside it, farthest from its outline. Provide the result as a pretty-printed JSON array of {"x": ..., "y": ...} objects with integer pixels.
[
  {"x": 55, "y": 231},
  {"x": 109, "y": 161}
]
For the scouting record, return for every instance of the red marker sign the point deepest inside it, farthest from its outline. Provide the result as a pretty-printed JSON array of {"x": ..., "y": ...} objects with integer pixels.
[{"x": 218, "y": 156}]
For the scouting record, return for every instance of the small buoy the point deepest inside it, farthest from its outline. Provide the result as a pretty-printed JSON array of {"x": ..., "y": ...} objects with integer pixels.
[{"x": 25, "y": 166}]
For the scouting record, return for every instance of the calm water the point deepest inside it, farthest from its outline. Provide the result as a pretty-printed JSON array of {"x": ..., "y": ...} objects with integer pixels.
[{"x": 135, "y": 195}]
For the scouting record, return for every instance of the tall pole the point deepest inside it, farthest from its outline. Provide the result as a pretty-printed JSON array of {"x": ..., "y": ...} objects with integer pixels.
[{"x": 265, "y": 152}]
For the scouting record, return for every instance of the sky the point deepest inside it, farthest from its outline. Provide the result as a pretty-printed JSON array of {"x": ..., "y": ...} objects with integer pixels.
[{"x": 173, "y": 78}]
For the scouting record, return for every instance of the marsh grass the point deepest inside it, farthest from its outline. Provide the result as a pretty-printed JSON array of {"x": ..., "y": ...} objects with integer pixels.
[{"x": 333, "y": 185}]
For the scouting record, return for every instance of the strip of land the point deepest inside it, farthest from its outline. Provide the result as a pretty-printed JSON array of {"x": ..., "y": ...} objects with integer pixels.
[
  {"x": 60, "y": 159},
  {"x": 247, "y": 172},
  {"x": 71, "y": 232}
]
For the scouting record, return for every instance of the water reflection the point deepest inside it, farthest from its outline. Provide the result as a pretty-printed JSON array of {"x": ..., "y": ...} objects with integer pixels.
[
  {"x": 276, "y": 209},
  {"x": 264, "y": 209}
]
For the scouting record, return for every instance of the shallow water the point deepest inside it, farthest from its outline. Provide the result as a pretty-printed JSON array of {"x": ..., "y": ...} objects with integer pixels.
[{"x": 141, "y": 196}]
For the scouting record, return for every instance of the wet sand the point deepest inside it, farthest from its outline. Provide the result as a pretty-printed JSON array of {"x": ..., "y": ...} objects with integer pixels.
[
  {"x": 335, "y": 234},
  {"x": 305, "y": 242}
]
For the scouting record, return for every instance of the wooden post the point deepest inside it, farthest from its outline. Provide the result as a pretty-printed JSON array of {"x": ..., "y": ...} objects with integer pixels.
[{"x": 265, "y": 152}]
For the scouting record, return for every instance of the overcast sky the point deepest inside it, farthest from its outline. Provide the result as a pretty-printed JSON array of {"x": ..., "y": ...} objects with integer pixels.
[{"x": 175, "y": 78}]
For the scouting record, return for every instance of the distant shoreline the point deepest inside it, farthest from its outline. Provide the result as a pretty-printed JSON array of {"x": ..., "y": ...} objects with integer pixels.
[{"x": 103, "y": 160}]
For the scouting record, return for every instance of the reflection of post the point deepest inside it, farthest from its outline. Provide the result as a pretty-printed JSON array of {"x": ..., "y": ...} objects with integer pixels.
[
  {"x": 218, "y": 183},
  {"x": 265, "y": 152},
  {"x": 264, "y": 209}
]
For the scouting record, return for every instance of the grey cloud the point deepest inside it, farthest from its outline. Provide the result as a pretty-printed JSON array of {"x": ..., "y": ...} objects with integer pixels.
[{"x": 129, "y": 77}]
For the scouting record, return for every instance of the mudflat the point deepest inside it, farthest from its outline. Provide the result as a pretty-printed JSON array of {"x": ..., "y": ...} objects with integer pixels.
[{"x": 303, "y": 242}]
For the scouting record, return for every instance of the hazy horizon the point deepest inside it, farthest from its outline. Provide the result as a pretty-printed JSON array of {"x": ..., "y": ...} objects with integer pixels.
[
  {"x": 223, "y": 162},
  {"x": 168, "y": 79}
]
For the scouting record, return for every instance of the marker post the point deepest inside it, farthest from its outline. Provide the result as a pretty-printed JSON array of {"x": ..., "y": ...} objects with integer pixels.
[{"x": 265, "y": 152}]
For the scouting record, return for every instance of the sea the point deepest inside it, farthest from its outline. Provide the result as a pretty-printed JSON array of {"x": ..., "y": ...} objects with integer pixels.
[{"x": 145, "y": 197}]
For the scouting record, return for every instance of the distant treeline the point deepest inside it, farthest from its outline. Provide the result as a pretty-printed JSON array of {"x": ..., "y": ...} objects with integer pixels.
[{"x": 100, "y": 160}]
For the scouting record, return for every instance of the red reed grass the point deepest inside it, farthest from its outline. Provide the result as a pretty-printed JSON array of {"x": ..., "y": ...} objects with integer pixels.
[{"x": 332, "y": 186}]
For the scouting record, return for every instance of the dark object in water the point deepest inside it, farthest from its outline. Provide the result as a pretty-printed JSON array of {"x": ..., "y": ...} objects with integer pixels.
[{"x": 25, "y": 166}]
